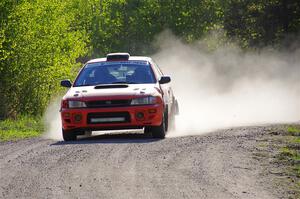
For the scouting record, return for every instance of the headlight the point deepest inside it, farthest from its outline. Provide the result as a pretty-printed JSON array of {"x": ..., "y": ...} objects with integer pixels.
[
  {"x": 76, "y": 104},
  {"x": 143, "y": 100}
]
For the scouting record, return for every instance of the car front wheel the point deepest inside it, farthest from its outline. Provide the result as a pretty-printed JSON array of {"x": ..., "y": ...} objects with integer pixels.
[
  {"x": 69, "y": 135},
  {"x": 158, "y": 131}
]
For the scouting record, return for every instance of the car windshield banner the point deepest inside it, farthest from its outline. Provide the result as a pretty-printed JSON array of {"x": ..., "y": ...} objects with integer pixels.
[{"x": 117, "y": 63}]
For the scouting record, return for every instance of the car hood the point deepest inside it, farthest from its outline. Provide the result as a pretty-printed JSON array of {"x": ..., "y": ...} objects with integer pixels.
[{"x": 117, "y": 90}]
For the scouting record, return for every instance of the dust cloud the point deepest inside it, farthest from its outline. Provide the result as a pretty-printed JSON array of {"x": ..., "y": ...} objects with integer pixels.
[
  {"x": 52, "y": 120},
  {"x": 229, "y": 87},
  {"x": 223, "y": 88}
]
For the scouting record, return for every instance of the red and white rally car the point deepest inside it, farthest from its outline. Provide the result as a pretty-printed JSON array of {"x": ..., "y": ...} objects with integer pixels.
[{"x": 118, "y": 92}]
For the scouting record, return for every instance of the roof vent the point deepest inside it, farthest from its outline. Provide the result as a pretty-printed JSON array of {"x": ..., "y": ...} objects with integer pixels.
[{"x": 117, "y": 56}]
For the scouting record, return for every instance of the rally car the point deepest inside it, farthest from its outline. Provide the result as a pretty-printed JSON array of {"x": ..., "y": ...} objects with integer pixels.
[{"x": 118, "y": 92}]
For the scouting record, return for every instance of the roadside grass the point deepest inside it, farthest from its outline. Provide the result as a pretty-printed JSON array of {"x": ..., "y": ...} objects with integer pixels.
[
  {"x": 280, "y": 150},
  {"x": 20, "y": 128},
  {"x": 293, "y": 130},
  {"x": 289, "y": 156}
]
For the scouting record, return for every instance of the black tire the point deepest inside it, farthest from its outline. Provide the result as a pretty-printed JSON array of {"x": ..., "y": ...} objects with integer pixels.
[
  {"x": 148, "y": 131},
  {"x": 159, "y": 131},
  {"x": 69, "y": 135}
]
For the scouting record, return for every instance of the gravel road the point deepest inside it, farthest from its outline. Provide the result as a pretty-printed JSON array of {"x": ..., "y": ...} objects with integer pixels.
[{"x": 215, "y": 165}]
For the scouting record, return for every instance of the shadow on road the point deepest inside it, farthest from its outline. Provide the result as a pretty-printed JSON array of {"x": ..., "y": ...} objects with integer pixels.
[{"x": 111, "y": 138}]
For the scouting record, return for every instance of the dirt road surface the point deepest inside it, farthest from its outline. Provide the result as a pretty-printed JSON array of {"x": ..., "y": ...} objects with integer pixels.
[{"x": 215, "y": 165}]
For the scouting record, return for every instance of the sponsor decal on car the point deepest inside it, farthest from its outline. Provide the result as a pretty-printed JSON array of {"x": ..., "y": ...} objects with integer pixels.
[{"x": 116, "y": 63}]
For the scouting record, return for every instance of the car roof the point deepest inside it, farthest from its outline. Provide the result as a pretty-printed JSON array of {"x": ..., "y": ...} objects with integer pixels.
[{"x": 131, "y": 58}]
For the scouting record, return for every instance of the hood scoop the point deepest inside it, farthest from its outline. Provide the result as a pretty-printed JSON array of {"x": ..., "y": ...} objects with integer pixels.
[{"x": 105, "y": 86}]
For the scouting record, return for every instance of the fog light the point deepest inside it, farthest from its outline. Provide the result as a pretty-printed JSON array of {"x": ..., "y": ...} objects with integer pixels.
[
  {"x": 67, "y": 115},
  {"x": 139, "y": 115},
  {"x": 77, "y": 117},
  {"x": 152, "y": 110}
]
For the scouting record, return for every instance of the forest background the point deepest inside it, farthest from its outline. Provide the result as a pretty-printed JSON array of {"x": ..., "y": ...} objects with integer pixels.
[{"x": 45, "y": 41}]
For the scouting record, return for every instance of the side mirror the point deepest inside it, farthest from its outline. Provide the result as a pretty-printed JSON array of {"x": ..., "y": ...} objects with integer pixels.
[
  {"x": 165, "y": 79},
  {"x": 66, "y": 83}
]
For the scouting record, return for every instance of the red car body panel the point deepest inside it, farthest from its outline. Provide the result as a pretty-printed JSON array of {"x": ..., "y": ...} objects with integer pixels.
[
  {"x": 152, "y": 113},
  {"x": 152, "y": 117}
]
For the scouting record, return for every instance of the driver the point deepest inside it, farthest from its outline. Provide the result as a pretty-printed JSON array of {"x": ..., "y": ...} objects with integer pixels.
[{"x": 102, "y": 76}]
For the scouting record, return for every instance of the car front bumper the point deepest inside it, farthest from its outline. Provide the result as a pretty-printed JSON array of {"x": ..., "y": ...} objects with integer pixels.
[{"x": 115, "y": 118}]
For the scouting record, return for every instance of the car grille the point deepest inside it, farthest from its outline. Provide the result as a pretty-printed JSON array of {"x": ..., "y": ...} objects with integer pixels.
[
  {"x": 111, "y": 117},
  {"x": 107, "y": 103}
]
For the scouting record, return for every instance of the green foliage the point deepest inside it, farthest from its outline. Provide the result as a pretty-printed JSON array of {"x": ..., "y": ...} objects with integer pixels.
[
  {"x": 132, "y": 25},
  {"x": 258, "y": 23},
  {"x": 22, "y": 127},
  {"x": 41, "y": 48},
  {"x": 43, "y": 41}
]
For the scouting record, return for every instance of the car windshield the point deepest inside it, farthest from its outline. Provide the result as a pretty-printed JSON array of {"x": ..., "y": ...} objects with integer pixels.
[{"x": 129, "y": 72}]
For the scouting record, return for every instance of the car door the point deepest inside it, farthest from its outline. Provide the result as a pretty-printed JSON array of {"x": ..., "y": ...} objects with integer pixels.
[{"x": 166, "y": 88}]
